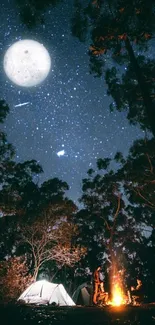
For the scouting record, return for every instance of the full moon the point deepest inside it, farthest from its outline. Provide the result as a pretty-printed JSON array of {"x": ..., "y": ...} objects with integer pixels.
[{"x": 27, "y": 63}]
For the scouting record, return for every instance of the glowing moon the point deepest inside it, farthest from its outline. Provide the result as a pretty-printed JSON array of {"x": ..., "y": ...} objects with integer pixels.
[{"x": 27, "y": 63}]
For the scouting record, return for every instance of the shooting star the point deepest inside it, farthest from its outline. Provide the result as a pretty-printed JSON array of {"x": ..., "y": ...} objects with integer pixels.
[{"x": 22, "y": 104}]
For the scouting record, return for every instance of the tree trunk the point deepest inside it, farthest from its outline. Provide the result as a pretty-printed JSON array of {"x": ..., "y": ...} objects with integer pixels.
[
  {"x": 35, "y": 274},
  {"x": 112, "y": 255},
  {"x": 150, "y": 108}
]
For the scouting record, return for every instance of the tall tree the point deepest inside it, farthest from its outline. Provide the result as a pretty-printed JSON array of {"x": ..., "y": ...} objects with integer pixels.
[
  {"x": 126, "y": 92},
  {"x": 44, "y": 235},
  {"x": 118, "y": 216},
  {"x": 137, "y": 173},
  {"x": 104, "y": 221},
  {"x": 138, "y": 176},
  {"x": 6, "y": 149},
  {"x": 50, "y": 238},
  {"x": 18, "y": 186},
  {"x": 116, "y": 30}
]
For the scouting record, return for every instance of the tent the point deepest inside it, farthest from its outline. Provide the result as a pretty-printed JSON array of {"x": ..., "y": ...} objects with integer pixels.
[
  {"x": 44, "y": 292},
  {"x": 83, "y": 294}
]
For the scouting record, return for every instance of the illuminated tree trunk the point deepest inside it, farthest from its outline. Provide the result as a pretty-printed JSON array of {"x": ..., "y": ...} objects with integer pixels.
[
  {"x": 35, "y": 274},
  {"x": 150, "y": 109}
]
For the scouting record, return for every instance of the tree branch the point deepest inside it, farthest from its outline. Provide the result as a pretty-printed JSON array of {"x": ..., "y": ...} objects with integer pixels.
[{"x": 149, "y": 160}]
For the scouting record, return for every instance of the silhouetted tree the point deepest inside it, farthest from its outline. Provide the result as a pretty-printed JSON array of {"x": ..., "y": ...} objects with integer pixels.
[
  {"x": 117, "y": 221},
  {"x": 6, "y": 149},
  {"x": 126, "y": 92},
  {"x": 104, "y": 224},
  {"x": 116, "y": 29},
  {"x": 32, "y": 11}
]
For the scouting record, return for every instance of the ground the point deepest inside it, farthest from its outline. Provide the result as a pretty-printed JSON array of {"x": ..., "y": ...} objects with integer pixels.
[{"x": 47, "y": 315}]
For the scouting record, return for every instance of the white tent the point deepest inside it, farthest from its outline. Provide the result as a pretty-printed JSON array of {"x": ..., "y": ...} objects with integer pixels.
[{"x": 44, "y": 292}]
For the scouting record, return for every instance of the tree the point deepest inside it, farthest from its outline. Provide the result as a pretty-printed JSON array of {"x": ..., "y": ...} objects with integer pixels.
[
  {"x": 137, "y": 173},
  {"x": 4, "y": 110},
  {"x": 32, "y": 12},
  {"x": 50, "y": 237},
  {"x": 116, "y": 28},
  {"x": 117, "y": 222},
  {"x": 138, "y": 177},
  {"x": 126, "y": 92},
  {"x": 16, "y": 179},
  {"x": 14, "y": 278},
  {"x": 18, "y": 185},
  {"x": 103, "y": 221},
  {"x": 6, "y": 149}
]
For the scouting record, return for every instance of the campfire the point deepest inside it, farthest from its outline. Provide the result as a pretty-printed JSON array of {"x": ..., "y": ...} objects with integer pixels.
[
  {"x": 119, "y": 294},
  {"x": 118, "y": 297}
]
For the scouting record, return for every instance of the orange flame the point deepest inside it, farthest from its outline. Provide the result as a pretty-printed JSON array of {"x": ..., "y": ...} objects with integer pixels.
[{"x": 117, "y": 296}]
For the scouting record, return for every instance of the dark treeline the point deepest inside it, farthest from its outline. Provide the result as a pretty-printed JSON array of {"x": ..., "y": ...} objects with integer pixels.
[{"x": 42, "y": 232}]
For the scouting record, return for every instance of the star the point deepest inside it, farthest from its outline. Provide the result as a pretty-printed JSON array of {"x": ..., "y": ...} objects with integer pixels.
[
  {"x": 69, "y": 115},
  {"x": 60, "y": 153}
]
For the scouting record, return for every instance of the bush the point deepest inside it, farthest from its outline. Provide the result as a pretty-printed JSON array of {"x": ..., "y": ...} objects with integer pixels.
[{"x": 14, "y": 278}]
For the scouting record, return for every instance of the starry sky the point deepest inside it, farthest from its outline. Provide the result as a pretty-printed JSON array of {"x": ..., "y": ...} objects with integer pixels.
[{"x": 66, "y": 125}]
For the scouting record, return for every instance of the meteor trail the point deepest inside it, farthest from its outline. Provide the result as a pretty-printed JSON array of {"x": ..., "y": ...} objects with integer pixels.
[{"x": 22, "y": 104}]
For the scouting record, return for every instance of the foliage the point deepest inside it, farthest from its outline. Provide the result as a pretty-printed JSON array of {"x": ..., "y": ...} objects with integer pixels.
[
  {"x": 118, "y": 215},
  {"x": 126, "y": 92},
  {"x": 6, "y": 149},
  {"x": 117, "y": 30},
  {"x": 14, "y": 278},
  {"x": 4, "y": 110},
  {"x": 139, "y": 187},
  {"x": 50, "y": 238},
  {"x": 110, "y": 21},
  {"x": 79, "y": 22},
  {"x": 16, "y": 179},
  {"x": 16, "y": 184},
  {"x": 32, "y": 11}
]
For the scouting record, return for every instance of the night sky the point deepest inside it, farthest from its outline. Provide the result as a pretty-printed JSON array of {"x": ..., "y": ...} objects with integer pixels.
[{"x": 68, "y": 113}]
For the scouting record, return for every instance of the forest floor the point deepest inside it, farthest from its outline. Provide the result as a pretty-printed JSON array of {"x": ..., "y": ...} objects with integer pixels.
[{"x": 48, "y": 315}]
